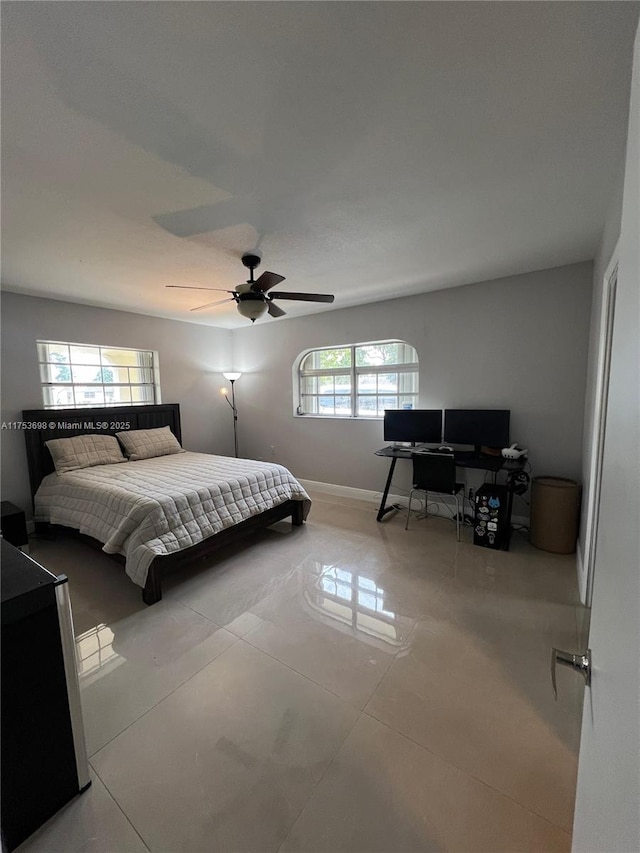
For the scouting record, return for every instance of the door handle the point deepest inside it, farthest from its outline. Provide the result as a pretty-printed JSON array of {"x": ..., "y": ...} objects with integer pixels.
[{"x": 578, "y": 662}]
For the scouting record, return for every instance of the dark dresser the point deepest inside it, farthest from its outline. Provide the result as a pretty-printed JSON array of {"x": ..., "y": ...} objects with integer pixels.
[{"x": 44, "y": 761}]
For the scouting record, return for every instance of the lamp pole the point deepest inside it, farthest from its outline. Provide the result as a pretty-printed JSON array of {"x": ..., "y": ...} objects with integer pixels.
[
  {"x": 235, "y": 416},
  {"x": 231, "y": 377}
]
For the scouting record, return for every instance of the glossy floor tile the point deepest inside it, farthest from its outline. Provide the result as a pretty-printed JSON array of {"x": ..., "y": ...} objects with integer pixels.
[
  {"x": 127, "y": 667},
  {"x": 239, "y": 584},
  {"x": 454, "y": 695},
  {"x": 335, "y": 627},
  {"x": 343, "y": 686},
  {"x": 229, "y": 759},
  {"x": 384, "y": 793}
]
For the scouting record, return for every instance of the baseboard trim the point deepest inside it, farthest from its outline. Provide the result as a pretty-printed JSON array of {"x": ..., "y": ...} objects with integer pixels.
[{"x": 350, "y": 492}]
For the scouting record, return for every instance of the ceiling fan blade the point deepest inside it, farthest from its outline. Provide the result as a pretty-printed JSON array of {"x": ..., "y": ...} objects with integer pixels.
[
  {"x": 265, "y": 281},
  {"x": 189, "y": 287},
  {"x": 275, "y": 310},
  {"x": 304, "y": 297},
  {"x": 211, "y": 304}
]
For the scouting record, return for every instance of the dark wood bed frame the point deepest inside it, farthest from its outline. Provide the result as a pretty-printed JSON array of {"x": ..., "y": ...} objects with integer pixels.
[{"x": 63, "y": 423}]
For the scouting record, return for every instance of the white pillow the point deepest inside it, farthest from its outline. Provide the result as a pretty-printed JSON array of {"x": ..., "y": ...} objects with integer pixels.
[
  {"x": 84, "y": 451},
  {"x": 147, "y": 443}
]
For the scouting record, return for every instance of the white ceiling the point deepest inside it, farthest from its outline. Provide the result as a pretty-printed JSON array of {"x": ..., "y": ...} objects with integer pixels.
[{"x": 370, "y": 150}]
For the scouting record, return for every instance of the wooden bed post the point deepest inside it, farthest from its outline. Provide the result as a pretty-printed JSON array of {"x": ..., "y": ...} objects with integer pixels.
[
  {"x": 297, "y": 516},
  {"x": 152, "y": 591}
]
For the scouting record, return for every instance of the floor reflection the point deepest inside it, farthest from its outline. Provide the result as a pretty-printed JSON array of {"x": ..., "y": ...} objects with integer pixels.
[
  {"x": 355, "y": 602},
  {"x": 95, "y": 652}
]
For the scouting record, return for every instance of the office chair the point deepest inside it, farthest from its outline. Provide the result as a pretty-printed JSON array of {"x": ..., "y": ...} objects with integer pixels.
[{"x": 436, "y": 472}]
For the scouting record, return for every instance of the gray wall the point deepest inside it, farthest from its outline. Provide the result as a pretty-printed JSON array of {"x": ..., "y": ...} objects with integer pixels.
[
  {"x": 191, "y": 358},
  {"x": 519, "y": 343}
]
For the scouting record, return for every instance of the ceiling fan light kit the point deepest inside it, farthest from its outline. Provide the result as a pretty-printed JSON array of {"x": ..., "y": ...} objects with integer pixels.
[
  {"x": 251, "y": 305},
  {"x": 252, "y": 298}
]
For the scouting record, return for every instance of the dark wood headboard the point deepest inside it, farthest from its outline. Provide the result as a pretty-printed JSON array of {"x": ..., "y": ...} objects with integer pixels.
[{"x": 44, "y": 424}]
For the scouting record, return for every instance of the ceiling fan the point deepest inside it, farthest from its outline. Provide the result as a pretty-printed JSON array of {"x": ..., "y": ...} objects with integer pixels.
[{"x": 252, "y": 298}]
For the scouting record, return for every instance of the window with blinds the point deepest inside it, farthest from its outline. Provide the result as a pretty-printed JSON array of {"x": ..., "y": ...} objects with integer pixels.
[
  {"x": 359, "y": 380},
  {"x": 85, "y": 376}
]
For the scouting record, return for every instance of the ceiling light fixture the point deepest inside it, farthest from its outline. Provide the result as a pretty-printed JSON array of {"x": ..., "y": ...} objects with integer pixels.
[
  {"x": 252, "y": 298},
  {"x": 252, "y": 305}
]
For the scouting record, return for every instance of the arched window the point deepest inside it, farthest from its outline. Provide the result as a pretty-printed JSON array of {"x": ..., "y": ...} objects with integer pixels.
[{"x": 358, "y": 380}]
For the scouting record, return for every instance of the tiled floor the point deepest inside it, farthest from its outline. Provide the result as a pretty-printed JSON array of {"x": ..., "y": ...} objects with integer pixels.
[{"x": 344, "y": 686}]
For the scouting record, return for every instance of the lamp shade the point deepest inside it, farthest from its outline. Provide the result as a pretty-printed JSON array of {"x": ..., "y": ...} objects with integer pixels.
[
  {"x": 252, "y": 308},
  {"x": 231, "y": 376}
]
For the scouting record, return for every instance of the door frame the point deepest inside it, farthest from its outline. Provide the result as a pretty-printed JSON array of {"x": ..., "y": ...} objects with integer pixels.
[{"x": 603, "y": 367}]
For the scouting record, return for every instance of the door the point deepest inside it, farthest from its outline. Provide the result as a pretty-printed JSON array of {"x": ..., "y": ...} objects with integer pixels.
[
  {"x": 600, "y": 423},
  {"x": 607, "y": 816}
]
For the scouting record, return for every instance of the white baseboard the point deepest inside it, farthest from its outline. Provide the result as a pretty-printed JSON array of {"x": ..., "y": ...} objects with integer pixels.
[
  {"x": 368, "y": 496},
  {"x": 350, "y": 492}
]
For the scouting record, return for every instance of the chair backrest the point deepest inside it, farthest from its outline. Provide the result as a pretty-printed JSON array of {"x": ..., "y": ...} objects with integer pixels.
[{"x": 434, "y": 472}]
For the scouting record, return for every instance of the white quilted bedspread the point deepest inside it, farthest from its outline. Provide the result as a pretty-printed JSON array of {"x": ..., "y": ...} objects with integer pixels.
[{"x": 159, "y": 506}]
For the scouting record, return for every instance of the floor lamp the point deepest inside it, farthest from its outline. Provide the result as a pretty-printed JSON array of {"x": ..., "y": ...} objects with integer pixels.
[{"x": 232, "y": 402}]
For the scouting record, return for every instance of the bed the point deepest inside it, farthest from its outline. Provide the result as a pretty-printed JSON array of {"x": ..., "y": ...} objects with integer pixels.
[{"x": 156, "y": 513}]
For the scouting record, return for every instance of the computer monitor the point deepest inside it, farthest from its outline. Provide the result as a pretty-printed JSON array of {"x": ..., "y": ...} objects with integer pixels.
[
  {"x": 419, "y": 426},
  {"x": 480, "y": 427}
]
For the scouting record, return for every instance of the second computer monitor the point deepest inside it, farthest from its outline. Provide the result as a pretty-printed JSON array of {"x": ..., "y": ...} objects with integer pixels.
[
  {"x": 419, "y": 426},
  {"x": 480, "y": 427}
]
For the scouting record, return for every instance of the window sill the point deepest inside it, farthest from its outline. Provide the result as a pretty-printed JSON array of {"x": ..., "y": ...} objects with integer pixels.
[{"x": 339, "y": 417}]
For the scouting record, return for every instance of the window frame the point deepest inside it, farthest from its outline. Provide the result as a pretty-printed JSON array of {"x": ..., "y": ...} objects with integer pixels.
[
  {"x": 150, "y": 356},
  {"x": 354, "y": 371}
]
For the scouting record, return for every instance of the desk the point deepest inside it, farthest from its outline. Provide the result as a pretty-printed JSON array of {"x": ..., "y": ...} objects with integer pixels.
[{"x": 462, "y": 458}]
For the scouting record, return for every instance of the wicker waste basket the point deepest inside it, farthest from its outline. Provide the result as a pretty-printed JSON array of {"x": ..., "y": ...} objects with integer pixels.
[{"x": 555, "y": 510}]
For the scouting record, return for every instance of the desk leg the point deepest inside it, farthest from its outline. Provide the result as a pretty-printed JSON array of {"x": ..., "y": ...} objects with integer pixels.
[
  {"x": 385, "y": 509},
  {"x": 507, "y": 540}
]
